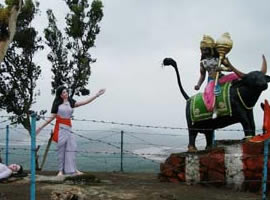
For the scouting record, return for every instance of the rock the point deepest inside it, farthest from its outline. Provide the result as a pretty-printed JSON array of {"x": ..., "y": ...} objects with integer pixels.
[
  {"x": 84, "y": 179},
  {"x": 70, "y": 194},
  {"x": 3, "y": 196}
]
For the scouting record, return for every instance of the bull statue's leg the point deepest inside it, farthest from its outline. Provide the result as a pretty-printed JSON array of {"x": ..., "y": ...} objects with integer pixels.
[
  {"x": 192, "y": 138},
  {"x": 252, "y": 130},
  {"x": 248, "y": 124},
  {"x": 209, "y": 136}
]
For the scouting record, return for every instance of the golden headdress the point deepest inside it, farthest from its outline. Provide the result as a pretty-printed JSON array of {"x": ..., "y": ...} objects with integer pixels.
[{"x": 207, "y": 42}]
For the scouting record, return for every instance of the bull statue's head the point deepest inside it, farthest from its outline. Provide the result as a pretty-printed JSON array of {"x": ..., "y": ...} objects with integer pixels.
[{"x": 257, "y": 80}]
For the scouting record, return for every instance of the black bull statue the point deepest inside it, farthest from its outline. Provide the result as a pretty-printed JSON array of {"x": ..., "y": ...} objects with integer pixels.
[{"x": 244, "y": 94}]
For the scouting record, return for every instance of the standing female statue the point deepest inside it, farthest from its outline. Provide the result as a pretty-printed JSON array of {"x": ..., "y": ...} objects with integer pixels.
[{"x": 62, "y": 110}]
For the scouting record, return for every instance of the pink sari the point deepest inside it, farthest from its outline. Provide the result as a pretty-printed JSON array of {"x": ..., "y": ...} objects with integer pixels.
[{"x": 209, "y": 96}]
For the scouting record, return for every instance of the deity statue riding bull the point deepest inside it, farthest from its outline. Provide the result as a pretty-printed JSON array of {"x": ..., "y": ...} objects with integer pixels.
[{"x": 227, "y": 99}]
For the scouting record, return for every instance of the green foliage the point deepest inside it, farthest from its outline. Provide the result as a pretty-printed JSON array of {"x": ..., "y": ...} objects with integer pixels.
[
  {"x": 58, "y": 54},
  {"x": 11, "y": 3},
  {"x": 5, "y": 11},
  {"x": 69, "y": 54},
  {"x": 18, "y": 72},
  {"x": 4, "y": 16}
]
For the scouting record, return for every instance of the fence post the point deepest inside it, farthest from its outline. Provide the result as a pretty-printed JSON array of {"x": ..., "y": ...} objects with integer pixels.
[
  {"x": 7, "y": 143},
  {"x": 122, "y": 151},
  {"x": 33, "y": 157},
  {"x": 265, "y": 161}
]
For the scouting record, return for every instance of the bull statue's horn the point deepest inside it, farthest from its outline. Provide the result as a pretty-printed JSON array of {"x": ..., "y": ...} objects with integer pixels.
[{"x": 264, "y": 65}]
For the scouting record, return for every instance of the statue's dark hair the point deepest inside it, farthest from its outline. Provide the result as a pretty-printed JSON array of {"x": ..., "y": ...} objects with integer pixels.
[
  {"x": 19, "y": 173},
  {"x": 58, "y": 100},
  {"x": 20, "y": 170},
  {"x": 213, "y": 51}
]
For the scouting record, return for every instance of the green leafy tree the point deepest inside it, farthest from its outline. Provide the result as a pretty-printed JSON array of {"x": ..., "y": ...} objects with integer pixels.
[
  {"x": 5, "y": 13},
  {"x": 8, "y": 19},
  {"x": 69, "y": 53},
  {"x": 18, "y": 72}
]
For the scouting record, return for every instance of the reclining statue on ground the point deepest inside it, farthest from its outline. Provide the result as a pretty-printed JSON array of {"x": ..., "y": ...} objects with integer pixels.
[{"x": 242, "y": 97}]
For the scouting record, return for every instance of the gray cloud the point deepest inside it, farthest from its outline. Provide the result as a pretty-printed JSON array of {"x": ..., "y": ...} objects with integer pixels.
[{"x": 137, "y": 34}]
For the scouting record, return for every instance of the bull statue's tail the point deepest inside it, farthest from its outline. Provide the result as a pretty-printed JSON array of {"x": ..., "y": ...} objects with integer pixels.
[{"x": 170, "y": 61}]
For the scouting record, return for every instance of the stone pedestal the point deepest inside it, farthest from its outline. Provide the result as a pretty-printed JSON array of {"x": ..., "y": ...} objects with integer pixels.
[{"x": 232, "y": 163}]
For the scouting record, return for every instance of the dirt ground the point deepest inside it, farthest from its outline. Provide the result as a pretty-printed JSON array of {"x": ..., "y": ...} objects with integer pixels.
[{"x": 129, "y": 186}]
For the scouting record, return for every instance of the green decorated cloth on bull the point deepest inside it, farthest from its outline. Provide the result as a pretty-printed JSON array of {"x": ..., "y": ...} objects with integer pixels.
[{"x": 198, "y": 109}]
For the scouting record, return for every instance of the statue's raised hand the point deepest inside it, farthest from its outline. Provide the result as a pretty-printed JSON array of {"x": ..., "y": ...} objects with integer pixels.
[
  {"x": 100, "y": 92},
  {"x": 226, "y": 62}
]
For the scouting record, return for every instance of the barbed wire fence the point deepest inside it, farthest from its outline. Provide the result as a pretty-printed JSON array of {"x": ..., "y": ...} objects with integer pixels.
[
  {"x": 109, "y": 148},
  {"x": 140, "y": 150}
]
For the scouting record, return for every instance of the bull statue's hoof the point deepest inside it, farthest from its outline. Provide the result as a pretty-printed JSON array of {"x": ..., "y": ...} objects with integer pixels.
[
  {"x": 247, "y": 138},
  {"x": 207, "y": 148},
  {"x": 192, "y": 149}
]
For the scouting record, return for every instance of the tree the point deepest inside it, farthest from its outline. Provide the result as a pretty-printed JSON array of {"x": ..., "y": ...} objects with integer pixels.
[
  {"x": 8, "y": 19},
  {"x": 69, "y": 54},
  {"x": 18, "y": 72}
]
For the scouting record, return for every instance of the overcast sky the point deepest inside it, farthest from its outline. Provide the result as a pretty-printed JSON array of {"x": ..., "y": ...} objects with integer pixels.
[{"x": 135, "y": 37}]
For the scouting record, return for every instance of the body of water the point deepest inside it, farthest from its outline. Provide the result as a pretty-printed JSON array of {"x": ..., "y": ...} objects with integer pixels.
[
  {"x": 99, "y": 149},
  {"x": 140, "y": 160}
]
